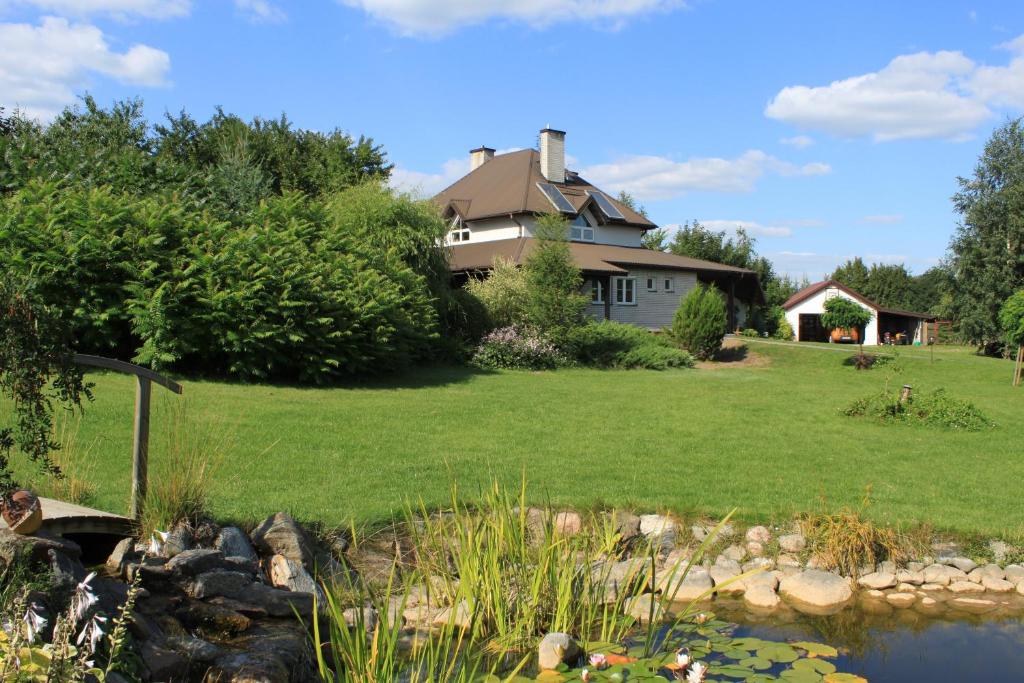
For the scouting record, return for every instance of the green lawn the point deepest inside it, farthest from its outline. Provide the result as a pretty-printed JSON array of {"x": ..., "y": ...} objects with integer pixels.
[{"x": 767, "y": 439}]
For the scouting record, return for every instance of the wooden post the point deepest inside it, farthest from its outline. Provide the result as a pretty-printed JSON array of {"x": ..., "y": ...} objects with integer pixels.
[
  {"x": 140, "y": 446},
  {"x": 905, "y": 393},
  {"x": 1018, "y": 369}
]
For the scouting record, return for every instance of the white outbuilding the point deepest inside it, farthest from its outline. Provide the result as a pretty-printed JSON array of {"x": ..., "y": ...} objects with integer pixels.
[{"x": 888, "y": 325}]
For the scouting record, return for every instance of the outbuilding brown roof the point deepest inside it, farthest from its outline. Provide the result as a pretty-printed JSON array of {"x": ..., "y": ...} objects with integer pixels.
[
  {"x": 507, "y": 184},
  {"x": 810, "y": 290}
]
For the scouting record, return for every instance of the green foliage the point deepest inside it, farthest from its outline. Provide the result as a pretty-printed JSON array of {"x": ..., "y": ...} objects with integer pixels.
[
  {"x": 987, "y": 252},
  {"x": 892, "y": 286},
  {"x": 37, "y": 368},
  {"x": 510, "y": 348},
  {"x": 750, "y": 332},
  {"x": 608, "y": 344},
  {"x": 1011, "y": 317},
  {"x": 783, "y": 330},
  {"x": 854, "y": 274},
  {"x": 846, "y": 314},
  {"x": 503, "y": 293},
  {"x": 554, "y": 304},
  {"x": 934, "y": 409},
  {"x": 699, "y": 323}
]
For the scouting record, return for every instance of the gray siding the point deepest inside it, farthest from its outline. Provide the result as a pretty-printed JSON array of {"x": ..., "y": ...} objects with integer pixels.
[{"x": 654, "y": 309}]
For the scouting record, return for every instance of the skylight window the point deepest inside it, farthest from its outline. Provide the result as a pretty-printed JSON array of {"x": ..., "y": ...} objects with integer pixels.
[
  {"x": 556, "y": 198},
  {"x": 607, "y": 208}
]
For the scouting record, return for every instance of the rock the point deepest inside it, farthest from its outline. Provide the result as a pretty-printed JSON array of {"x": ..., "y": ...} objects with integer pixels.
[
  {"x": 755, "y": 548},
  {"x": 911, "y": 577},
  {"x": 873, "y": 594},
  {"x": 124, "y": 552},
  {"x": 282, "y": 535},
  {"x": 901, "y": 600},
  {"x": 65, "y": 571},
  {"x": 627, "y": 525},
  {"x": 1014, "y": 573},
  {"x": 179, "y": 539},
  {"x": 618, "y": 577},
  {"x": 1000, "y": 550},
  {"x": 233, "y": 542},
  {"x": 888, "y": 567},
  {"x": 995, "y": 585},
  {"x": 758, "y": 534},
  {"x": 735, "y": 552},
  {"x": 249, "y": 667},
  {"x": 642, "y": 607},
  {"x": 915, "y": 566},
  {"x": 367, "y": 616},
  {"x": 758, "y": 563},
  {"x": 555, "y": 649},
  {"x": 702, "y": 531},
  {"x": 785, "y": 560},
  {"x": 659, "y": 529},
  {"x": 36, "y": 547},
  {"x": 762, "y": 597},
  {"x": 962, "y": 563},
  {"x": 162, "y": 664},
  {"x": 991, "y": 570},
  {"x": 792, "y": 543},
  {"x": 244, "y": 608},
  {"x": 816, "y": 589},
  {"x": 973, "y": 605},
  {"x": 943, "y": 574},
  {"x": 1020, "y": 587},
  {"x": 877, "y": 580},
  {"x": 932, "y": 587},
  {"x": 458, "y": 617},
  {"x": 696, "y": 584},
  {"x": 195, "y": 562},
  {"x": 721, "y": 573},
  {"x": 568, "y": 523},
  {"x": 219, "y": 583},
  {"x": 906, "y": 587},
  {"x": 290, "y": 575},
  {"x": 965, "y": 587},
  {"x": 929, "y": 603},
  {"x": 194, "y": 649},
  {"x": 202, "y": 615},
  {"x": 280, "y": 603}
]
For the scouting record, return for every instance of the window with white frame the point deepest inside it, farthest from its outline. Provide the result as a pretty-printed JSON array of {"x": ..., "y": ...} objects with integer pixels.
[
  {"x": 625, "y": 291},
  {"x": 652, "y": 283},
  {"x": 580, "y": 229},
  {"x": 596, "y": 291},
  {"x": 458, "y": 232},
  {"x": 670, "y": 284}
]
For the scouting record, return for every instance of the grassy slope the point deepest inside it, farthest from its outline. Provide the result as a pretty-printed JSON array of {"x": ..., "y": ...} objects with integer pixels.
[{"x": 768, "y": 440}]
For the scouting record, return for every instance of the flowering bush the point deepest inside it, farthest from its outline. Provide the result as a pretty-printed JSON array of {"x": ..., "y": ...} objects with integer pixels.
[{"x": 508, "y": 347}]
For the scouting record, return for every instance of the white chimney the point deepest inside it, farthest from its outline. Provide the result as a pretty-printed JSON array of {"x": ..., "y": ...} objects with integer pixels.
[
  {"x": 552, "y": 155},
  {"x": 479, "y": 156}
]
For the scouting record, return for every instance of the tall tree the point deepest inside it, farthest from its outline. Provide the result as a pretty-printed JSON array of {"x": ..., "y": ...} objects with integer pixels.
[
  {"x": 889, "y": 285},
  {"x": 987, "y": 251},
  {"x": 854, "y": 274},
  {"x": 554, "y": 304}
]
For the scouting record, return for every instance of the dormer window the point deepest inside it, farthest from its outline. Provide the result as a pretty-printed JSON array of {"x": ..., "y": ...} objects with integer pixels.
[
  {"x": 458, "y": 232},
  {"x": 581, "y": 229}
]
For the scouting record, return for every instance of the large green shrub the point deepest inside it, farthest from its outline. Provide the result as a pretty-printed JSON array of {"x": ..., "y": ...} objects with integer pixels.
[
  {"x": 1011, "y": 317},
  {"x": 783, "y": 330},
  {"x": 554, "y": 304},
  {"x": 503, "y": 293},
  {"x": 846, "y": 314},
  {"x": 608, "y": 344},
  {"x": 700, "y": 321}
]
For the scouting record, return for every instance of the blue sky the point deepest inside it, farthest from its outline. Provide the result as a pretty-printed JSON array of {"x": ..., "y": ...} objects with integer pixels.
[{"x": 829, "y": 129}]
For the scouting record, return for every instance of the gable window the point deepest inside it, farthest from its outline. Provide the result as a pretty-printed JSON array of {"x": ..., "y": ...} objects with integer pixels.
[
  {"x": 596, "y": 291},
  {"x": 625, "y": 291},
  {"x": 458, "y": 231},
  {"x": 580, "y": 229},
  {"x": 670, "y": 284},
  {"x": 652, "y": 283}
]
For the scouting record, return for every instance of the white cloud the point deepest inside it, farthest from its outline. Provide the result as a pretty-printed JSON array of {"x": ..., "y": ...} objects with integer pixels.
[
  {"x": 798, "y": 141},
  {"x": 428, "y": 184},
  {"x": 753, "y": 228},
  {"x": 655, "y": 178},
  {"x": 923, "y": 95},
  {"x": 883, "y": 218},
  {"x": 434, "y": 18},
  {"x": 42, "y": 67},
  {"x": 120, "y": 9},
  {"x": 1002, "y": 85},
  {"x": 261, "y": 11}
]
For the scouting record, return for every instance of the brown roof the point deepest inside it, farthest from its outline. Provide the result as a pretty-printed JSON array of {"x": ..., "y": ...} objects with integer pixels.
[
  {"x": 810, "y": 290},
  {"x": 599, "y": 258},
  {"x": 507, "y": 184}
]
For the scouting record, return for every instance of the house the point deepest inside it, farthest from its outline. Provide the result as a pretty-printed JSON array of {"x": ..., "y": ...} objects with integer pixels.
[
  {"x": 803, "y": 312},
  {"x": 493, "y": 210}
]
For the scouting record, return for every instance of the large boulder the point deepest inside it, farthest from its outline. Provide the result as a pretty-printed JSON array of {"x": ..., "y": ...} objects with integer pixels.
[
  {"x": 282, "y": 535},
  {"x": 761, "y": 597},
  {"x": 195, "y": 562},
  {"x": 877, "y": 580},
  {"x": 943, "y": 574},
  {"x": 695, "y": 584},
  {"x": 627, "y": 525},
  {"x": 555, "y": 649},
  {"x": 816, "y": 590},
  {"x": 233, "y": 542},
  {"x": 792, "y": 543},
  {"x": 220, "y": 584}
]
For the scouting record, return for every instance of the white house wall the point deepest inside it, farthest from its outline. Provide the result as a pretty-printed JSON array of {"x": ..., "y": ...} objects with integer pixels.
[
  {"x": 492, "y": 229},
  {"x": 816, "y": 305},
  {"x": 506, "y": 227}
]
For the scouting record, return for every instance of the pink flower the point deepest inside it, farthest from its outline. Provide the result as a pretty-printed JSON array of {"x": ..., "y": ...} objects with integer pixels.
[{"x": 598, "y": 661}]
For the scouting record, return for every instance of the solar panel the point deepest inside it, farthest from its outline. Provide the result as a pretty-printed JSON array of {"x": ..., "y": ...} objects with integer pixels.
[
  {"x": 607, "y": 208},
  {"x": 556, "y": 198}
]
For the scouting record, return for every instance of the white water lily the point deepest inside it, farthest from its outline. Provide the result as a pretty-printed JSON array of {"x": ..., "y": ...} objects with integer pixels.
[
  {"x": 156, "y": 542},
  {"x": 92, "y": 632},
  {"x": 83, "y": 599},
  {"x": 701, "y": 618},
  {"x": 598, "y": 661},
  {"x": 697, "y": 672},
  {"x": 682, "y": 658},
  {"x": 34, "y": 622},
  {"x": 585, "y": 675}
]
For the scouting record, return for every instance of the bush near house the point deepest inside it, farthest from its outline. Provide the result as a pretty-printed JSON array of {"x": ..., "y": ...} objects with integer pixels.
[
  {"x": 510, "y": 348},
  {"x": 502, "y": 293},
  {"x": 609, "y": 344},
  {"x": 699, "y": 323}
]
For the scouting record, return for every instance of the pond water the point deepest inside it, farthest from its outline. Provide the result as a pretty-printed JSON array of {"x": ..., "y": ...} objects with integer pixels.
[{"x": 904, "y": 645}]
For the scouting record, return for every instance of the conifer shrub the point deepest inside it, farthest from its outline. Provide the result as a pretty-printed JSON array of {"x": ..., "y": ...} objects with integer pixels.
[
  {"x": 609, "y": 344},
  {"x": 700, "y": 322}
]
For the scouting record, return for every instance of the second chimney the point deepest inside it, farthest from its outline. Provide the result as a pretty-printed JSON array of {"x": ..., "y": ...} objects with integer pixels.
[
  {"x": 552, "y": 155},
  {"x": 479, "y": 156}
]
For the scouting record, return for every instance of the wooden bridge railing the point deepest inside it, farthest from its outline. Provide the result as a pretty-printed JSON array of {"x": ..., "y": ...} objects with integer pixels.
[{"x": 140, "y": 442}]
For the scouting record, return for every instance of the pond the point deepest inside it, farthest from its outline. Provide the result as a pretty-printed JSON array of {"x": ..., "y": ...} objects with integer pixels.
[{"x": 903, "y": 645}]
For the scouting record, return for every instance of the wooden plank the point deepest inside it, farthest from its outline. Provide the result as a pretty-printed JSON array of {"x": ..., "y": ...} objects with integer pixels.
[
  {"x": 60, "y": 517},
  {"x": 140, "y": 446},
  {"x": 130, "y": 368}
]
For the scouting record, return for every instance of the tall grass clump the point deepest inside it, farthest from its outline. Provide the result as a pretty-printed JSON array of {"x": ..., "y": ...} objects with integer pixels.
[
  {"x": 934, "y": 409},
  {"x": 76, "y": 463}
]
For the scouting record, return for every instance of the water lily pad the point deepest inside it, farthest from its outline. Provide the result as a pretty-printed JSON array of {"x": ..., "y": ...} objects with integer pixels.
[
  {"x": 756, "y": 663},
  {"x": 748, "y": 643},
  {"x": 730, "y": 671},
  {"x": 817, "y": 649},
  {"x": 844, "y": 678},
  {"x": 800, "y": 676},
  {"x": 778, "y": 652},
  {"x": 762, "y": 678},
  {"x": 596, "y": 646},
  {"x": 736, "y": 653},
  {"x": 816, "y": 665}
]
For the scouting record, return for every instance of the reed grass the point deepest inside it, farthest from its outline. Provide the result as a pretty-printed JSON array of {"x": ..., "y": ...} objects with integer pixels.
[{"x": 76, "y": 461}]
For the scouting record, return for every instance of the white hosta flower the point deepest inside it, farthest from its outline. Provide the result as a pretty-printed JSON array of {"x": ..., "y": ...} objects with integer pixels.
[
  {"x": 156, "y": 542},
  {"x": 697, "y": 672},
  {"x": 83, "y": 599},
  {"x": 7, "y": 626},
  {"x": 598, "y": 661},
  {"x": 34, "y": 623},
  {"x": 92, "y": 633}
]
